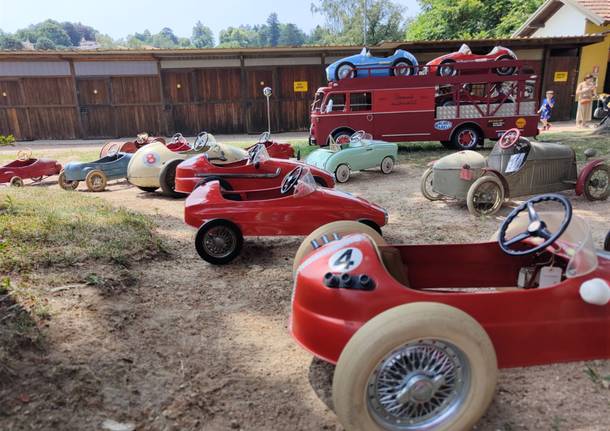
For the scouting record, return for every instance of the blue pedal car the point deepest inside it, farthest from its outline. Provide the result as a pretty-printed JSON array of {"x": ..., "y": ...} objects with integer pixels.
[
  {"x": 402, "y": 63},
  {"x": 95, "y": 174}
]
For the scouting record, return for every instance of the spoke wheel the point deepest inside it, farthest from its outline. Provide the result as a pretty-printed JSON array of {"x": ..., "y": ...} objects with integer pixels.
[
  {"x": 418, "y": 384},
  {"x": 426, "y": 186},
  {"x": 419, "y": 366},
  {"x": 96, "y": 181},
  {"x": 402, "y": 68},
  {"x": 387, "y": 165},
  {"x": 65, "y": 184},
  {"x": 485, "y": 196},
  {"x": 16, "y": 182},
  {"x": 596, "y": 183},
  {"x": 342, "y": 173},
  {"x": 218, "y": 241}
]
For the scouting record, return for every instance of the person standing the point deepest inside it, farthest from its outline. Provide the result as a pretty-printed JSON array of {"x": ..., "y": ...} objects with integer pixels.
[
  {"x": 545, "y": 109},
  {"x": 585, "y": 93}
]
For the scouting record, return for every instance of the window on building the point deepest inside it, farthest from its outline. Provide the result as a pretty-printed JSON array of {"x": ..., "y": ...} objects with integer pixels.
[{"x": 360, "y": 102}]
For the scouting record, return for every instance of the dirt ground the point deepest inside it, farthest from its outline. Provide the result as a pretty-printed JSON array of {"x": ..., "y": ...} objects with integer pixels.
[{"x": 197, "y": 347}]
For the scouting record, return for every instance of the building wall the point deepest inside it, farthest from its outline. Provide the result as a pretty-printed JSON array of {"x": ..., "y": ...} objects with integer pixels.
[
  {"x": 567, "y": 21},
  {"x": 595, "y": 55}
]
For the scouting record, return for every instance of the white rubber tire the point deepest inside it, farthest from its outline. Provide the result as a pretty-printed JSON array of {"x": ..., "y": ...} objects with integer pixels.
[
  {"x": 405, "y": 324},
  {"x": 473, "y": 190}
]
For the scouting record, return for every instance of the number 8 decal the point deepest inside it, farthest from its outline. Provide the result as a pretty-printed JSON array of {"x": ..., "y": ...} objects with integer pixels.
[{"x": 345, "y": 259}]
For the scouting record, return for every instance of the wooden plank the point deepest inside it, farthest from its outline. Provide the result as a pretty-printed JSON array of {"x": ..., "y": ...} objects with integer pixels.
[
  {"x": 54, "y": 123},
  {"x": 48, "y": 91},
  {"x": 10, "y": 93}
]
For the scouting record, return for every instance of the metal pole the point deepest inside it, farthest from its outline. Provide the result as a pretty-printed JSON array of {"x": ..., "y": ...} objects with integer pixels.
[
  {"x": 267, "y": 92},
  {"x": 364, "y": 13}
]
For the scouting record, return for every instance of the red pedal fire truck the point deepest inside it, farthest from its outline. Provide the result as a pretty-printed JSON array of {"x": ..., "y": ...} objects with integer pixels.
[{"x": 459, "y": 111}]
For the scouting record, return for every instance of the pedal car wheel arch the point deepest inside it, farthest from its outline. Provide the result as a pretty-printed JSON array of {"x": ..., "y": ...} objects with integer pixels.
[
  {"x": 167, "y": 178},
  {"x": 599, "y": 175},
  {"x": 65, "y": 184},
  {"x": 450, "y": 341},
  {"x": 330, "y": 232},
  {"x": 16, "y": 181},
  {"x": 428, "y": 193},
  {"x": 475, "y": 191},
  {"x": 387, "y": 165},
  {"x": 223, "y": 183},
  {"x": 96, "y": 180},
  {"x": 218, "y": 241}
]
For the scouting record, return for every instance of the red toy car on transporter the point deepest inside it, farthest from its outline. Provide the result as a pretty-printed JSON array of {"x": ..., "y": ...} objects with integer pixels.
[
  {"x": 444, "y": 65},
  {"x": 25, "y": 167},
  {"x": 297, "y": 207},
  {"x": 418, "y": 331},
  {"x": 258, "y": 171}
]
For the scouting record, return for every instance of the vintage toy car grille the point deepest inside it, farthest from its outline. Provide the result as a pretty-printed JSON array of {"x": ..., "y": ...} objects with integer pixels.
[{"x": 471, "y": 111}]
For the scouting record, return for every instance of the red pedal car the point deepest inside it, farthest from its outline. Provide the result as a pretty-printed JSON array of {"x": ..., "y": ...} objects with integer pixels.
[
  {"x": 418, "y": 331},
  {"x": 257, "y": 171},
  {"x": 443, "y": 65},
  {"x": 129, "y": 146},
  {"x": 25, "y": 167},
  {"x": 297, "y": 207},
  {"x": 277, "y": 150}
]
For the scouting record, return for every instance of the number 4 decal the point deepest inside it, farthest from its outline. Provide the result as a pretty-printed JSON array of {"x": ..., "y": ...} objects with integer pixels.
[{"x": 345, "y": 259}]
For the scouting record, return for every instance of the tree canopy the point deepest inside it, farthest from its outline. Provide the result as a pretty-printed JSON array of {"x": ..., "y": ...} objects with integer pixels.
[{"x": 462, "y": 19}]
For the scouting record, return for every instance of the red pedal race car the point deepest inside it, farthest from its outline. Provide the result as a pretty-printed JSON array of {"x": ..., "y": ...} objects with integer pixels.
[
  {"x": 129, "y": 146},
  {"x": 419, "y": 331},
  {"x": 257, "y": 171},
  {"x": 25, "y": 167},
  {"x": 297, "y": 207},
  {"x": 277, "y": 150},
  {"x": 443, "y": 65}
]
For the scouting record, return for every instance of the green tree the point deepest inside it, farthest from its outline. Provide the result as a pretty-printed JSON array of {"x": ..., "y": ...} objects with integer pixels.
[
  {"x": 242, "y": 36},
  {"x": 345, "y": 20},
  {"x": 274, "y": 30},
  {"x": 44, "y": 43},
  {"x": 53, "y": 31},
  {"x": 9, "y": 42},
  {"x": 457, "y": 19},
  {"x": 291, "y": 35},
  {"x": 202, "y": 36},
  {"x": 319, "y": 36},
  {"x": 77, "y": 32}
]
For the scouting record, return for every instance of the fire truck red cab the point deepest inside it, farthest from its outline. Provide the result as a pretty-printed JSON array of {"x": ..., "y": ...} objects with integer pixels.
[{"x": 460, "y": 111}]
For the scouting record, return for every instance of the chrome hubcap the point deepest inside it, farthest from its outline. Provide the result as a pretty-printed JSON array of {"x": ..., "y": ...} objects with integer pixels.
[
  {"x": 418, "y": 385},
  {"x": 219, "y": 241},
  {"x": 344, "y": 72},
  {"x": 387, "y": 165}
]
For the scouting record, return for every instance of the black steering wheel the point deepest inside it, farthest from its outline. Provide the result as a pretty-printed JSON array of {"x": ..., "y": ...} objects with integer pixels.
[
  {"x": 201, "y": 141},
  {"x": 537, "y": 228},
  {"x": 291, "y": 179}
]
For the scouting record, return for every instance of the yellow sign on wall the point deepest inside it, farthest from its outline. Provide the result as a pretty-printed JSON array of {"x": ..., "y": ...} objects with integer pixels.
[
  {"x": 560, "y": 77},
  {"x": 520, "y": 122},
  {"x": 300, "y": 86}
]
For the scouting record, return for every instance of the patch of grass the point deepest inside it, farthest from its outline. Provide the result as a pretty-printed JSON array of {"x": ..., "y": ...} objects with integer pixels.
[
  {"x": 596, "y": 377},
  {"x": 62, "y": 155},
  {"x": 52, "y": 228},
  {"x": 580, "y": 141}
]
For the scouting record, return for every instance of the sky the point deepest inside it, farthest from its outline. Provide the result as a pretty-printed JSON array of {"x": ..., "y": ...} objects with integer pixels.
[{"x": 119, "y": 18}]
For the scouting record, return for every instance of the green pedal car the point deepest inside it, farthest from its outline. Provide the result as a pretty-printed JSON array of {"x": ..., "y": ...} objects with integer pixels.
[{"x": 361, "y": 152}]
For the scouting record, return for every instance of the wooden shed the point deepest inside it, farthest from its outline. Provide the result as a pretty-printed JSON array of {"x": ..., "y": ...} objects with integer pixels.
[{"x": 95, "y": 94}]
